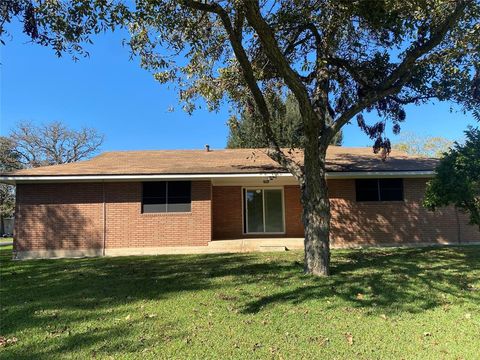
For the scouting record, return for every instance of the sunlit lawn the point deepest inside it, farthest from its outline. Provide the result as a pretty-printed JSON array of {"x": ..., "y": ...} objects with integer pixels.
[{"x": 379, "y": 304}]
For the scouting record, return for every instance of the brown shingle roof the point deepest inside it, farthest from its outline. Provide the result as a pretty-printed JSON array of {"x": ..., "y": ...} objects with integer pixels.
[{"x": 228, "y": 161}]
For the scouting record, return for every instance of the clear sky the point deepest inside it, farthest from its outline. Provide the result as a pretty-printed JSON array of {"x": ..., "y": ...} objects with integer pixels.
[{"x": 112, "y": 93}]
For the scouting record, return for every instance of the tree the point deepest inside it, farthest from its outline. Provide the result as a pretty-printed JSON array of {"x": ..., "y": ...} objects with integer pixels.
[
  {"x": 9, "y": 160},
  {"x": 339, "y": 58},
  {"x": 30, "y": 145},
  {"x": 457, "y": 178},
  {"x": 53, "y": 143},
  {"x": 428, "y": 146},
  {"x": 286, "y": 126}
]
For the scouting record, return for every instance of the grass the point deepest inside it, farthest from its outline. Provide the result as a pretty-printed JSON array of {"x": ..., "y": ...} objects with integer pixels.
[{"x": 421, "y": 303}]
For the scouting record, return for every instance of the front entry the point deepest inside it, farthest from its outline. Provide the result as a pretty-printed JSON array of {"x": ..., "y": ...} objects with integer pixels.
[{"x": 263, "y": 211}]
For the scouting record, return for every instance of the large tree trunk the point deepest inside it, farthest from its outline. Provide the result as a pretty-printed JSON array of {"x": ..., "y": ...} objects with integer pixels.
[{"x": 316, "y": 212}]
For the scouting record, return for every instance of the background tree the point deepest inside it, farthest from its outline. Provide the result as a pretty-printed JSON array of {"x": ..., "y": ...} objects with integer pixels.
[
  {"x": 286, "y": 126},
  {"x": 457, "y": 178},
  {"x": 9, "y": 160},
  {"x": 425, "y": 146},
  {"x": 53, "y": 143},
  {"x": 340, "y": 59},
  {"x": 30, "y": 145}
]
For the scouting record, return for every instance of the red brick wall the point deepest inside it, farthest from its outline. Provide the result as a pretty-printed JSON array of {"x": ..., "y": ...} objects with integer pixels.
[
  {"x": 355, "y": 223},
  {"x": 393, "y": 222},
  {"x": 128, "y": 227},
  {"x": 70, "y": 217},
  {"x": 227, "y": 212},
  {"x": 228, "y": 218},
  {"x": 58, "y": 216}
]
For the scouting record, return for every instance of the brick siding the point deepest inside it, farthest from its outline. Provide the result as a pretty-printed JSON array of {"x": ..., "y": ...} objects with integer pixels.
[
  {"x": 72, "y": 216},
  {"x": 128, "y": 227},
  {"x": 227, "y": 213},
  {"x": 58, "y": 216},
  {"x": 353, "y": 223}
]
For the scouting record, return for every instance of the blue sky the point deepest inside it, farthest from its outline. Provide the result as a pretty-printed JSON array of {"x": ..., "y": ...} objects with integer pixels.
[{"x": 113, "y": 94}]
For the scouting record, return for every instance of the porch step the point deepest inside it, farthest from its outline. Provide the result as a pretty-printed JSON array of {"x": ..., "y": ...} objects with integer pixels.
[{"x": 271, "y": 248}]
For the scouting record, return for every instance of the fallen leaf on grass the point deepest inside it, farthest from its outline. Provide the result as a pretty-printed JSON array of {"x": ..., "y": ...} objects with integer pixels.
[
  {"x": 7, "y": 341},
  {"x": 384, "y": 317},
  {"x": 321, "y": 340},
  {"x": 349, "y": 338},
  {"x": 257, "y": 346},
  {"x": 227, "y": 297},
  {"x": 59, "y": 331},
  {"x": 273, "y": 350},
  {"x": 471, "y": 287},
  {"x": 128, "y": 317}
]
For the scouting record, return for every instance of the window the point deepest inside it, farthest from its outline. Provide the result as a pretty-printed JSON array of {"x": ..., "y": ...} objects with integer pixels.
[
  {"x": 379, "y": 189},
  {"x": 263, "y": 211},
  {"x": 167, "y": 196}
]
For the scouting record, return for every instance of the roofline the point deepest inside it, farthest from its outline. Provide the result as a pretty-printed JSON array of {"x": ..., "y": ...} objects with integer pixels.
[{"x": 13, "y": 179}]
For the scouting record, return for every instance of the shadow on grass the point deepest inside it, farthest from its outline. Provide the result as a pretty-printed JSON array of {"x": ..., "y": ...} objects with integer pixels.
[
  {"x": 386, "y": 280},
  {"x": 390, "y": 280}
]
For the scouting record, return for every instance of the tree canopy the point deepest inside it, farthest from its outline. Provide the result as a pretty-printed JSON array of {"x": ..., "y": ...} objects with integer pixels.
[
  {"x": 425, "y": 146},
  {"x": 9, "y": 160},
  {"x": 457, "y": 178},
  {"x": 30, "y": 145},
  {"x": 342, "y": 60},
  {"x": 287, "y": 124},
  {"x": 53, "y": 143}
]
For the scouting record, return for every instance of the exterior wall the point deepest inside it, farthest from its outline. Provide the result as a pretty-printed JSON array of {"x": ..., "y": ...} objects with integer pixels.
[
  {"x": 128, "y": 227},
  {"x": 58, "y": 216},
  {"x": 398, "y": 222},
  {"x": 79, "y": 218},
  {"x": 376, "y": 223},
  {"x": 72, "y": 220},
  {"x": 227, "y": 213}
]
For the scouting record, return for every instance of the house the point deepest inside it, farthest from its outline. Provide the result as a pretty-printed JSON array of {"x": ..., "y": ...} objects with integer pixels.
[{"x": 201, "y": 201}]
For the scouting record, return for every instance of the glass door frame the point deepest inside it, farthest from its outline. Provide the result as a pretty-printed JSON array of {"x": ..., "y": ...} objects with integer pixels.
[{"x": 245, "y": 210}]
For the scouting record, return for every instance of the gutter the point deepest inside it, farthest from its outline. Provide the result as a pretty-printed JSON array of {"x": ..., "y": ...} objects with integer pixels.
[{"x": 13, "y": 179}]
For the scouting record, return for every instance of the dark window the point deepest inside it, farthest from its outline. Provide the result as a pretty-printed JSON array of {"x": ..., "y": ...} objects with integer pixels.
[
  {"x": 391, "y": 189},
  {"x": 367, "y": 189},
  {"x": 166, "y": 196},
  {"x": 379, "y": 189}
]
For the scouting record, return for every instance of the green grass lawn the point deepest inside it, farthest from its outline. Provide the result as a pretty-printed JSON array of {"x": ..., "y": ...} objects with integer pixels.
[{"x": 421, "y": 303}]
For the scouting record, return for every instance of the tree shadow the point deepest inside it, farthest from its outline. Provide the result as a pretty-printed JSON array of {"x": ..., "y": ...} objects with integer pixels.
[
  {"x": 389, "y": 280},
  {"x": 54, "y": 295},
  {"x": 398, "y": 222},
  {"x": 70, "y": 221}
]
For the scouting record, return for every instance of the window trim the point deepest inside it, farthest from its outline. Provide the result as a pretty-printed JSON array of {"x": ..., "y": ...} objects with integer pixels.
[
  {"x": 244, "y": 189},
  {"x": 380, "y": 200},
  {"x": 166, "y": 212}
]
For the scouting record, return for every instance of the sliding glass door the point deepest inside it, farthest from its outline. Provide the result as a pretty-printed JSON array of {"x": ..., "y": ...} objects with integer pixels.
[{"x": 263, "y": 210}]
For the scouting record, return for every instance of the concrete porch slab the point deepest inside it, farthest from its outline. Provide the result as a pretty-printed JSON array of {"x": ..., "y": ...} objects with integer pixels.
[{"x": 258, "y": 244}]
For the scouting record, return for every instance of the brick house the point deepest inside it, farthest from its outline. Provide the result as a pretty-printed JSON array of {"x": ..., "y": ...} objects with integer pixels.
[{"x": 195, "y": 201}]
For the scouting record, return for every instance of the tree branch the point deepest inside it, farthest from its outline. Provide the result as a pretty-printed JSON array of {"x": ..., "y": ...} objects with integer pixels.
[
  {"x": 402, "y": 74},
  {"x": 272, "y": 49},
  {"x": 274, "y": 151}
]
